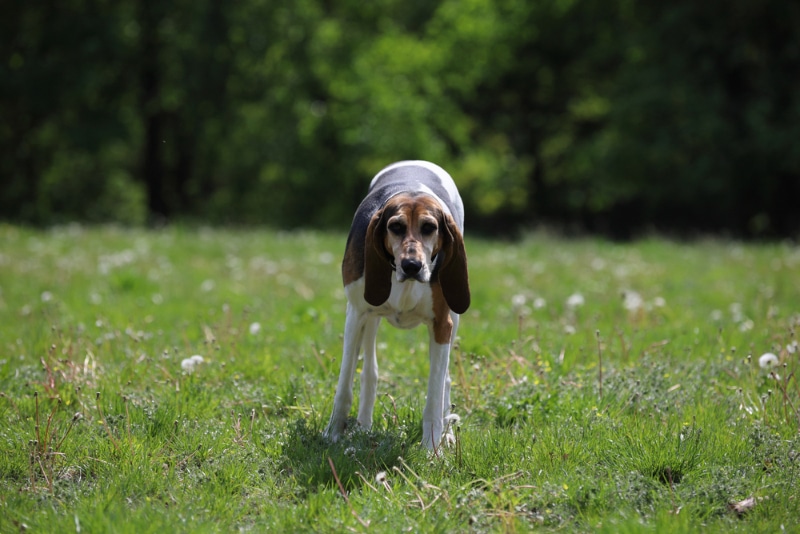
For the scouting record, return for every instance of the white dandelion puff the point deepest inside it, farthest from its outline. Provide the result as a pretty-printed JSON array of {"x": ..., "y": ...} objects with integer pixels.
[
  {"x": 255, "y": 328},
  {"x": 632, "y": 301},
  {"x": 207, "y": 285},
  {"x": 189, "y": 364},
  {"x": 767, "y": 361},
  {"x": 518, "y": 300},
  {"x": 452, "y": 419},
  {"x": 575, "y": 300}
]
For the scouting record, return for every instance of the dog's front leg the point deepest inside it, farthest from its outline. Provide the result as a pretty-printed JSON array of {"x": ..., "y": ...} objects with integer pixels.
[
  {"x": 369, "y": 373},
  {"x": 343, "y": 400},
  {"x": 433, "y": 414}
]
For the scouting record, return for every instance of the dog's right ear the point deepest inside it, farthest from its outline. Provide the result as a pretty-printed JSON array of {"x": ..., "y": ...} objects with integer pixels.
[{"x": 377, "y": 262}]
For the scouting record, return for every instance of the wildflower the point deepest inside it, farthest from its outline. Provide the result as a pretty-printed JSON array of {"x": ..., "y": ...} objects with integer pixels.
[
  {"x": 47, "y": 296},
  {"x": 539, "y": 303},
  {"x": 380, "y": 478},
  {"x": 255, "y": 328},
  {"x": 575, "y": 300},
  {"x": 767, "y": 360},
  {"x": 632, "y": 300},
  {"x": 518, "y": 300},
  {"x": 207, "y": 285},
  {"x": 452, "y": 419},
  {"x": 659, "y": 302},
  {"x": 189, "y": 364}
]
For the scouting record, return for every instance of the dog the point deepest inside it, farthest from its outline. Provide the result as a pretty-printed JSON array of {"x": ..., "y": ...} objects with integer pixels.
[{"x": 405, "y": 262}]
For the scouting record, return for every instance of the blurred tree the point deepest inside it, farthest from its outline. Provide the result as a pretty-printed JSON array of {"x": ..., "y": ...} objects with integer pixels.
[
  {"x": 616, "y": 116},
  {"x": 63, "y": 142}
]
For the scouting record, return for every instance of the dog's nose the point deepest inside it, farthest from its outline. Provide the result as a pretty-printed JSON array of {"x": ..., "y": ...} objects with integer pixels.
[{"x": 411, "y": 267}]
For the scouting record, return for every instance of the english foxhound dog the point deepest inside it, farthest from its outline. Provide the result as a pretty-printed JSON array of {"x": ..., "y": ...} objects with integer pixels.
[{"x": 405, "y": 262}]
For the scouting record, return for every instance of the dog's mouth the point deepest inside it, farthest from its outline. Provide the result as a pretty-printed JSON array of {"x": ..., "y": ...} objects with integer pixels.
[{"x": 402, "y": 277}]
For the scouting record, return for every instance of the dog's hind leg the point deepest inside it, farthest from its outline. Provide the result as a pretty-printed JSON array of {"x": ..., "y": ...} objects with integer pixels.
[{"x": 447, "y": 421}]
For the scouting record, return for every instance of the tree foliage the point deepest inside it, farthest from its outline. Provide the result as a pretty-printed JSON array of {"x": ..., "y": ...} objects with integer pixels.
[{"x": 618, "y": 116}]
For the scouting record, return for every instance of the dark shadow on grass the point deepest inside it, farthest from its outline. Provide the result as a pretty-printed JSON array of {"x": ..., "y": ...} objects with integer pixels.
[{"x": 366, "y": 452}]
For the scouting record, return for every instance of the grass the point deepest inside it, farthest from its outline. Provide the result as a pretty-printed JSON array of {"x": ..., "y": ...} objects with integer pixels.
[{"x": 602, "y": 387}]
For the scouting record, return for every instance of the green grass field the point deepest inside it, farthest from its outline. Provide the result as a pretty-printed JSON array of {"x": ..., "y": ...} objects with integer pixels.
[{"x": 105, "y": 427}]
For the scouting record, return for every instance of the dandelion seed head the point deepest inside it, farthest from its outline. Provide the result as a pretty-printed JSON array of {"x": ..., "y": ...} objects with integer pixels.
[
  {"x": 746, "y": 325},
  {"x": 452, "y": 419},
  {"x": 767, "y": 360},
  {"x": 575, "y": 300},
  {"x": 189, "y": 364},
  {"x": 632, "y": 301},
  {"x": 380, "y": 478},
  {"x": 255, "y": 328}
]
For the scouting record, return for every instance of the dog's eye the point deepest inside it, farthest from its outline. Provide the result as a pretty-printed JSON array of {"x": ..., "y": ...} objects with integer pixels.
[
  {"x": 397, "y": 228},
  {"x": 428, "y": 228}
]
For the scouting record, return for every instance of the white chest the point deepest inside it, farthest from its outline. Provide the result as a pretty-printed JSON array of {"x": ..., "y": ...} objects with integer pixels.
[{"x": 409, "y": 304}]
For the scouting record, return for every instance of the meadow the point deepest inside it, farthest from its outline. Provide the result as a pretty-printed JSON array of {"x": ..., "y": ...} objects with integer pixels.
[{"x": 179, "y": 380}]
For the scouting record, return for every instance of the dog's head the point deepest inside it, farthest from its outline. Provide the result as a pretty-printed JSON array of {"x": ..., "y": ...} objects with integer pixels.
[{"x": 413, "y": 236}]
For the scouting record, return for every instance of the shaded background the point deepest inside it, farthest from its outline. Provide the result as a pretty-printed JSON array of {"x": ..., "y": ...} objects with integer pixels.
[{"x": 609, "y": 116}]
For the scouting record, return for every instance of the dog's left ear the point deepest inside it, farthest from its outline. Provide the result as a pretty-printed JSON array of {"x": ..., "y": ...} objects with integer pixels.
[
  {"x": 453, "y": 275},
  {"x": 377, "y": 266}
]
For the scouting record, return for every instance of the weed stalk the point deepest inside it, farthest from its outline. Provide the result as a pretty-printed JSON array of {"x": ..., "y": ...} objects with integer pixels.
[
  {"x": 599, "y": 364},
  {"x": 365, "y": 524},
  {"x": 105, "y": 423}
]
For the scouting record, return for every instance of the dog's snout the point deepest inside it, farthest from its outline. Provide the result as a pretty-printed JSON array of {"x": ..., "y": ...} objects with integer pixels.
[{"x": 410, "y": 266}]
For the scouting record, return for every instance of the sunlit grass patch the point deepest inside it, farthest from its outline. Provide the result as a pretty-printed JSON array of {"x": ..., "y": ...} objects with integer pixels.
[{"x": 599, "y": 386}]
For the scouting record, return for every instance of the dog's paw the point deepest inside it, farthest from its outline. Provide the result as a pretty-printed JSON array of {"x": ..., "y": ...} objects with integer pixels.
[{"x": 334, "y": 431}]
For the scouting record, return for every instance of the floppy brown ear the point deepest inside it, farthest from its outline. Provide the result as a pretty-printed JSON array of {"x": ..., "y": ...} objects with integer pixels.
[
  {"x": 377, "y": 268},
  {"x": 453, "y": 273}
]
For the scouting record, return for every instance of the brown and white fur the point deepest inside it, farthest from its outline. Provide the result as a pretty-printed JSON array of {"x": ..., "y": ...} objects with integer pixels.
[{"x": 405, "y": 262}]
